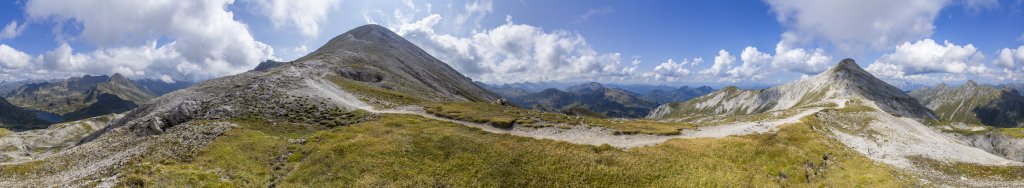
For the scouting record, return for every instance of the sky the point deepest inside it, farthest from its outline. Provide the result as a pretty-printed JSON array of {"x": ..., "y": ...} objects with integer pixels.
[{"x": 717, "y": 43}]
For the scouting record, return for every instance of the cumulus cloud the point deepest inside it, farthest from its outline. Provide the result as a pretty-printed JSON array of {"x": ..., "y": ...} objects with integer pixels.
[
  {"x": 1012, "y": 63},
  {"x": 516, "y": 52},
  {"x": 11, "y": 58},
  {"x": 754, "y": 63},
  {"x": 304, "y": 15},
  {"x": 855, "y": 25},
  {"x": 671, "y": 70},
  {"x": 1010, "y": 58},
  {"x": 203, "y": 38},
  {"x": 926, "y": 56},
  {"x": 800, "y": 60},
  {"x": 722, "y": 62},
  {"x": 12, "y": 30}
]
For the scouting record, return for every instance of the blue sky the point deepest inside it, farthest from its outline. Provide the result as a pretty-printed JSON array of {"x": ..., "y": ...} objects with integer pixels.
[{"x": 718, "y": 43}]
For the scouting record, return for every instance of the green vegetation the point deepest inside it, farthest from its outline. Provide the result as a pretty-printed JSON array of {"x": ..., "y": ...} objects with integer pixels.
[
  {"x": 240, "y": 157},
  {"x": 412, "y": 151},
  {"x": 1012, "y": 132},
  {"x": 856, "y": 105},
  {"x": 405, "y": 150},
  {"x": 378, "y": 97},
  {"x": 4, "y": 132},
  {"x": 506, "y": 116},
  {"x": 295, "y": 129}
]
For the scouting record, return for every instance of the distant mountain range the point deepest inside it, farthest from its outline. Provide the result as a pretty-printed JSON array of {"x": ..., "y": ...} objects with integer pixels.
[
  {"x": 1018, "y": 86},
  {"x": 82, "y": 97},
  {"x": 974, "y": 103},
  {"x": 595, "y": 99}
]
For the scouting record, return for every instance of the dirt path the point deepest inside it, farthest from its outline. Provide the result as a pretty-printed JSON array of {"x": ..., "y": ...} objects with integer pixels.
[
  {"x": 574, "y": 134},
  {"x": 599, "y": 136}
]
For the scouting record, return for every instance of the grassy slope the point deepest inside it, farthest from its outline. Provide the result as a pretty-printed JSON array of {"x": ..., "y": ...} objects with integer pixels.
[
  {"x": 506, "y": 116},
  {"x": 405, "y": 150},
  {"x": 1012, "y": 132}
]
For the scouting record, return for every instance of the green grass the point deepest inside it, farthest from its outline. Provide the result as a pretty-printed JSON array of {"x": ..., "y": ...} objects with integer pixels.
[
  {"x": 856, "y": 105},
  {"x": 240, "y": 157},
  {"x": 378, "y": 97},
  {"x": 410, "y": 151},
  {"x": 506, "y": 116},
  {"x": 1012, "y": 132}
]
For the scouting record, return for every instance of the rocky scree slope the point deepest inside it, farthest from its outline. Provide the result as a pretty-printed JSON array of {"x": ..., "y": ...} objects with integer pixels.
[
  {"x": 845, "y": 80},
  {"x": 367, "y": 56}
]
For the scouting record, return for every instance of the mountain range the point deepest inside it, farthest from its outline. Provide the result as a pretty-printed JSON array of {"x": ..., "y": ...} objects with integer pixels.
[
  {"x": 82, "y": 97},
  {"x": 844, "y": 80},
  {"x": 974, "y": 103},
  {"x": 595, "y": 99}
]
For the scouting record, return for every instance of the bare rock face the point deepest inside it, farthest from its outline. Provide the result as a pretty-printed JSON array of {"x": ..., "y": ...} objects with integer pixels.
[
  {"x": 997, "y": 143},
  {"x": 844, "y": 80}
]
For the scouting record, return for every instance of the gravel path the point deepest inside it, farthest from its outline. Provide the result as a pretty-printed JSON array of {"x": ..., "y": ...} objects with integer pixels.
[
  {"x": 598, "y": 136},
  {"x": 574, "y": 134}
]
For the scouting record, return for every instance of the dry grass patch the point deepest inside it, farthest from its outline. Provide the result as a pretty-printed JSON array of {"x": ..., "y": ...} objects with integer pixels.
[
  {"x": 507, "y": 116},
  {"x": 411, "y": 151}
]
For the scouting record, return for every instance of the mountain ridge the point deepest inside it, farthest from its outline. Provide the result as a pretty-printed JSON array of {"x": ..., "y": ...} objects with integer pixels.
[
  {"x": 845, "y": 79},
  {"x": 974, "y": 103}
]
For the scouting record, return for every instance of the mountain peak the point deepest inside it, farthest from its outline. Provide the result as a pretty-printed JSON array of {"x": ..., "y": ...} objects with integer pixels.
[
  {"x": 847, "y": 65},
  {"x": 586, "y": 87},
  {"x": 970, "y": 84},
  {"x": 364, "y": 36}
]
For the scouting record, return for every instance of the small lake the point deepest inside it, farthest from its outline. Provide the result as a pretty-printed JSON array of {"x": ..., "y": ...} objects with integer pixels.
[{"x": 49, "y": 117}]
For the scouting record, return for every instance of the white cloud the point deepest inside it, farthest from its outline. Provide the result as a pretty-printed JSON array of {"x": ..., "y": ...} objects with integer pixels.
[
  {"x": 591, "y": 12},
  {"x": 927, "y": 56},
  {"x": 515, "y": 52},
  {"x": 1010, "y": 58},
  {"x": 853, "y": 26},
  {"x": 12, "y": 30},
  {"x": 204, "y": 40},
  {"x": 753, "y": 62},
  {"x": 304, "y": 15},
  {"x": 474, "y": 11},
  {"x": 671, "y": 70},
  {"x": 11, "y": 58},
  {"x": 722, "y": 62},
  {"x": 978, "y": 6},
  {"x": 800, "y": 60}
]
